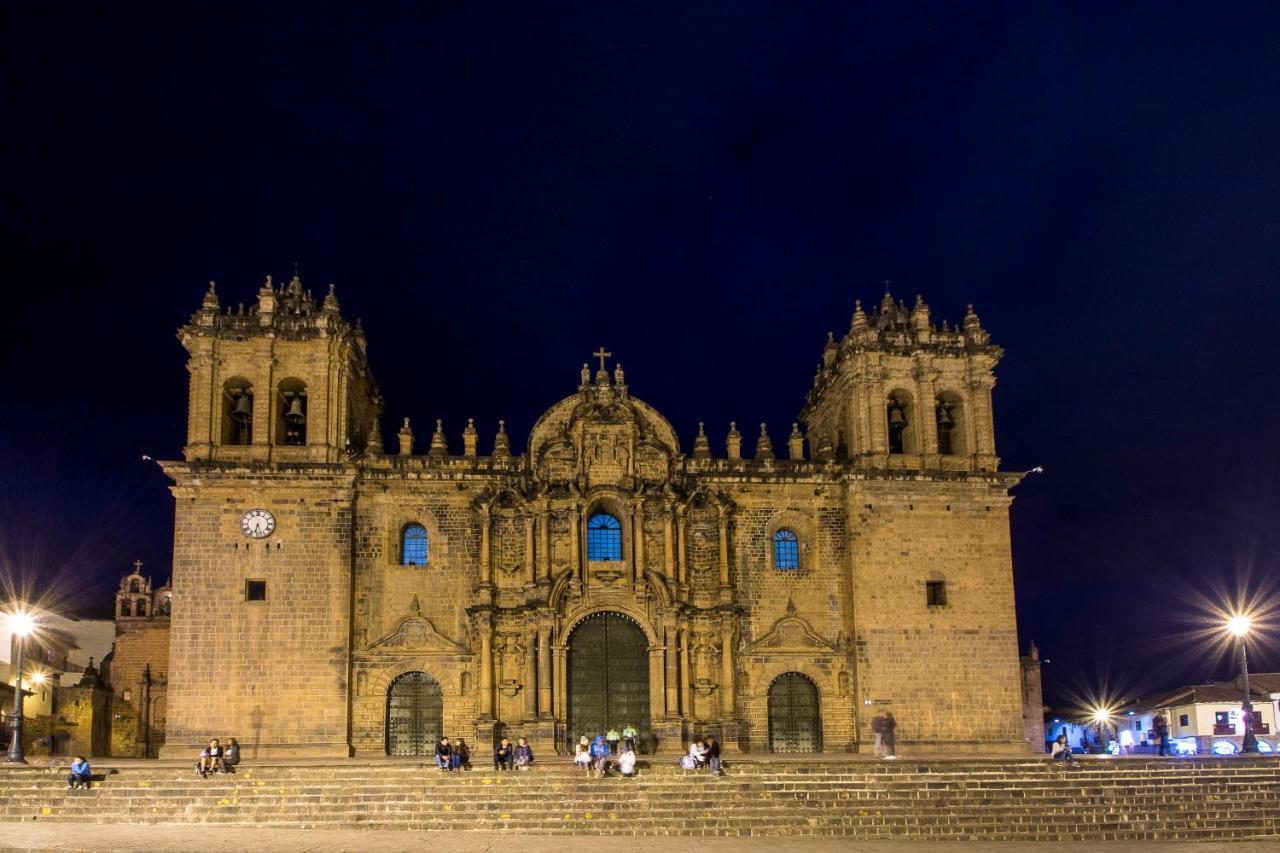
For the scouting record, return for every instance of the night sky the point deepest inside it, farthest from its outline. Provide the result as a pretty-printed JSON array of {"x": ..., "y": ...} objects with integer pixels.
[{"x": 704, "y": 189}]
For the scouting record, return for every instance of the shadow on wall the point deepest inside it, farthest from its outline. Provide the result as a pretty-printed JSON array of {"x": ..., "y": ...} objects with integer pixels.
[{"x": 255, "y": 719}]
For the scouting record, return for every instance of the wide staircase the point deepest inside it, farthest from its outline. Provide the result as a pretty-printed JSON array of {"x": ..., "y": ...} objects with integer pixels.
[{"x": 1009, "y": 799}]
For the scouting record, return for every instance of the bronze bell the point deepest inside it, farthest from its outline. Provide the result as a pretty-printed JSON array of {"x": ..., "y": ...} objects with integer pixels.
[
  {"x": 295, "y": 415},
  {"x": 896, "y": 420},
  {"x": 242, "y": 412},
  {"x": 944, "y": 417}
]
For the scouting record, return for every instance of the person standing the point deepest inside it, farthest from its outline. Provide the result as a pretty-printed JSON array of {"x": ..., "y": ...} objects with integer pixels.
[
  {"x": 1161, "y": 726},
  {"x": 630, "y": 735},
  {"x": 612, "y": 737},
  {"x": 889, "y": 728},
  {"x": 877, "y": 734}
]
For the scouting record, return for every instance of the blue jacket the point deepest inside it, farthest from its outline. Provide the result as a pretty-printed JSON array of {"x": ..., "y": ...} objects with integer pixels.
[
  {"x": 80, "y": 767},
  {"x": 525, "y": 752},
  {"x": 599, "y": 749}
]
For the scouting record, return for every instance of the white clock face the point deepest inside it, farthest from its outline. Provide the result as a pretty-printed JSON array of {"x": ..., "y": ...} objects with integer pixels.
[{"x": 257, "y": 524}]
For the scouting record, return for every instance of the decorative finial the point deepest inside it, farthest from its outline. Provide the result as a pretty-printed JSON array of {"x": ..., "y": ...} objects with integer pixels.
[
  {"x": 501, "y": 442},
  {"x": 795, "y": 444},
  {"x": 415, "y": 609},
  {"x": 439, "y": 447},
  {"x": 764, "y": 446},
  {"x": 618, "y": 375},
  {"x": 331, "y": 299},
  {"x": 733, "y": 442},
  {"x": 602, "y": 375},
  {"x": 406, "y": 439},
  {"x": 791, "y": 607},
  {"x": 586, "y": 374},
  {"x": 469, "y": 438},
  {"x": 701, "y": 446}
]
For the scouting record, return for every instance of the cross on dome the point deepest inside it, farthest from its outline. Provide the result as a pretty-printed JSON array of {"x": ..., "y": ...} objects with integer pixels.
[{"x": 602, "y": 355}]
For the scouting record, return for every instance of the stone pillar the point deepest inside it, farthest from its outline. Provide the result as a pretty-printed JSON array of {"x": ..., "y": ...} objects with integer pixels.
[
  {"x": 637, "y": 538},
  {"x": 531, "y": 676},
  {"x": 726, "y": 669},
  {"x": 656, "y": 689},
  {"x": 686, "y": 695},
  {"x": 561, "y": 699},
  {"x": 544, "y": 672},
  {"x": 575, "y": 543},
  {"x": 673, "y": 674},
  {"x": 668, "y": 546},
  {"x": 486, "y": 667},
  {"x": 983, "y": 423},
  {"x": 544, "y": 542},
  {"x": 926, "y": 413},
  {"x": 724, "y": 549},
  {"x": 682, "y": 524},
  {"x": 486, "y": 563},
  {"x": 530, "y": 577}
]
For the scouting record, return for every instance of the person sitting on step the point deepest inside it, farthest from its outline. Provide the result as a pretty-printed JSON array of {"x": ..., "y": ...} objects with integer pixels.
[
  {"x": 582, "y": 753},
  {"x": 462, "y": 754},
  {"x": 694, "y": 758},
  {"x": 600, "y": 755},
  {"x": 80, "y": 775},
  {"x": 523, "y": 754},
  {"x": 1061, "y": 749},
  {"x": 444, "y": 755},
  {"x": 502, "y": 755},
  {"x": 627, "y": 761},
  {"x": 210, "y": 759},
  {"x": 231, "y": 756},
  {"x": 712, "y": 747}
]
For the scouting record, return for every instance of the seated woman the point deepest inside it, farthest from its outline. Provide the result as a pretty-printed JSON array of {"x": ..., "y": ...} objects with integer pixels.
[
  {"x": 627, "y": 760},
  {"x": 523, "y": 754},
  {"x": 231, "y": 756},
  {"x": 1061, "y": 750},
  {"x": 600, "y": 753},
  {"x": 695, "y": 758},
  {"x": 462, "y": 756},
  {"x": 80, "y": 775},
  {"x": 582, "y": 753}
]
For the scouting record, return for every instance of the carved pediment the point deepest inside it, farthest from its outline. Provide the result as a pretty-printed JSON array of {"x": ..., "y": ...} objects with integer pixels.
[
  {"x": 417, "y": 634},
  {"x": 790, "y": 634}
]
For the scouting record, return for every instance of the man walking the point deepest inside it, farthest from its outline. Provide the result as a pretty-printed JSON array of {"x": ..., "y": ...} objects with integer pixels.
[
  {"x": 877, "y": 734},
  {"x": 1161, "y": 726}
]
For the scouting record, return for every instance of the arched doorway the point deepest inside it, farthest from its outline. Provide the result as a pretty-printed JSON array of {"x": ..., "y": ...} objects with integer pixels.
[
  {"x": 795, "y": 724},
  {"x": 608, "y": 676},
  {"x": 415, "y": 714}
]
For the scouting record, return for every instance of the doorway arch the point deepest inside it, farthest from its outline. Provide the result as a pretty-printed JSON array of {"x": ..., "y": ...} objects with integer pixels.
[
  {"x": 795, "y": 718},
  {"x": 608, "y": 676},
  {"x": 415, "y": 714}
]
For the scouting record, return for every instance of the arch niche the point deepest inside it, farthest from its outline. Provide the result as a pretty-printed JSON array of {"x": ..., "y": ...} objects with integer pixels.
[
  {"x": 415, "y": 714},
  {"x": 795, "y": 715},
  {"x": 608, "y": 676}
]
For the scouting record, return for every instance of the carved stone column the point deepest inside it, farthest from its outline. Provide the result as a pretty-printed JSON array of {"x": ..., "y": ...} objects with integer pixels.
[
  {"x": 673, "y": 673},
  {"x": 686, "y": 696},
  {"x": 668, "y": 546},
  {"x": 530, "y": 676},
  {"x": 575, "y": 543},
  {"x": 544, "y": 672},
  {"x": 561, "y": 699},
  {"x": 724, "y": 549},
  {"x": 486, "y": 666},
  {"x": 544, "y": 542},
  {"x": 682, "y": 525},
  {"x": 530, "y": 577},
  {"x": 726, "y": 668},
  {"x": 486, "y": 557},
  {"x": 637, "y": 537},
  {"x": 656, "y": 690}
]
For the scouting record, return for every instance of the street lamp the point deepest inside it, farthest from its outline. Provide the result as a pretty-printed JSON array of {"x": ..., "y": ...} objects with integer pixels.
[
  {"x": 21, "y": 624},
  {"x": 1101, "y": 717},
  {"x": 1239, "y": 626}
]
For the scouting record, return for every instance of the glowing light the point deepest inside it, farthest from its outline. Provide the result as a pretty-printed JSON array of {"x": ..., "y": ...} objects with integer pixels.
[
  {"x": 1185, "y": 746},
  {"x": 21, "y": 623},
  {"x": 1102, "y": 715},
  {"x": 38, "y": 678},
  {"x": 1239, "y": 624},
  {"x": 1263, "y": 746},
  {"x": 1224, "y": 747}
]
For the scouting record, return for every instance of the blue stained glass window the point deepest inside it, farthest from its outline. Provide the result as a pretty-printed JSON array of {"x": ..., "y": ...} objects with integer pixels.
[
  {"x": 604, "y": 537},
  {"x": 413, "y": 551},
  {"x": 786, "y": 551}
]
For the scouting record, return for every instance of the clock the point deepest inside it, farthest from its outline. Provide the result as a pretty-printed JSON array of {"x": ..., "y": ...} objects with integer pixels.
[{"x": 257, "y": 523}]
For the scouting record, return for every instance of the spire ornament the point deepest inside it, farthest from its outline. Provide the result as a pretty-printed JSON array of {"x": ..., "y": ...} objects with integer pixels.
[
  {"x": 701, "y": 446},
  {"x": 764, "y": 446},
  {"x": 439, "y": 447},
  {"x": 733, "y": 442},
  {"x": 501, "y": 442}
]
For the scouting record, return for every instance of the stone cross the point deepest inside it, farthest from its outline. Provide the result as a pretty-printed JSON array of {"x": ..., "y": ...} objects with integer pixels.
[
  {"x": 602, "y": 355},
  {"x": 137, "y": 566}
]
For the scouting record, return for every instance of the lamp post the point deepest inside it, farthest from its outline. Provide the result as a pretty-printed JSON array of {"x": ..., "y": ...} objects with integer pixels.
[
  {"x": 1239, "y": 626},
  {"x": 21, "y": 624}
]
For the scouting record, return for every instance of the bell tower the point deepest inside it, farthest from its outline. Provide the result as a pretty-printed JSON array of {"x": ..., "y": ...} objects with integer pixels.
[
  {"x": 286, "y": 380},
  {"x": 898, "y": 392}
]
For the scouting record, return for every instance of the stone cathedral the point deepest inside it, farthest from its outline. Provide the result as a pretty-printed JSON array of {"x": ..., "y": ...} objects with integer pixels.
[{"x": 334, "y": 595}]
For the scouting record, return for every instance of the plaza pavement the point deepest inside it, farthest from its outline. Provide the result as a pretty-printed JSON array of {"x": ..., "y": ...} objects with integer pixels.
[{"x": 101, "y": 838}]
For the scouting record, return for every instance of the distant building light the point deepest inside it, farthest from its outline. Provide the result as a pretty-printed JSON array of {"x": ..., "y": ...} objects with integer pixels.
[
  {"x": 1224, "y": 747},
  {"x": 1185, "y": 746},
  {"x": 1263, "y": 746}
]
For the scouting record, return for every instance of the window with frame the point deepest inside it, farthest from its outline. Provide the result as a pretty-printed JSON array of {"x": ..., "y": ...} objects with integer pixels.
[
  {"x": 1184, "y": 719},
  {"x": 604, "y": 538},
  {"x": 786, "y": 551},
  {"x": 413, "y": 546},
  {"x": 255, "y": 590},
  {"x": 935, "y": 593}
]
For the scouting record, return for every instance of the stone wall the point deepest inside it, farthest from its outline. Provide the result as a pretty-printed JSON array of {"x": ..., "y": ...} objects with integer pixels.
[{"x": 140, "y": 643}]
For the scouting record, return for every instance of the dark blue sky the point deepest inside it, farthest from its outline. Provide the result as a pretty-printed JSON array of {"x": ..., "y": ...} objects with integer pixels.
[{"x": 704, "y": 188}]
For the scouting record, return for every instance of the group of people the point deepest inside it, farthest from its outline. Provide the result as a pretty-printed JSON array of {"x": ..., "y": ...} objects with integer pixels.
[
  {"x": 596, "y": 755},
  {"x": 451, "y": 757},
  {"x": 1060, "y": 748},
  {"x": 215, "y": 758},
  {"x": 703, "y": 753},
  {"x": 883, "y": 727}
]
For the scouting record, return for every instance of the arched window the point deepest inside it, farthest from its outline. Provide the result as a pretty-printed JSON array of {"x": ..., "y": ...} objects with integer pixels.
[
  {"x": 237, "y": 412},
  {"x": 901, "y": 422},
  {"x": 604, "y": 537},
  {"x": 413, "y": 546},
  {"x": 786, "y": 551},
  {"x": 291, "y": 418},
  {"x": 950, "y": 417}
]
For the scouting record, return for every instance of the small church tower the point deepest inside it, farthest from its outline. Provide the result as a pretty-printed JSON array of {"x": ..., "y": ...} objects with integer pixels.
[{"x": 285, "y": 380}]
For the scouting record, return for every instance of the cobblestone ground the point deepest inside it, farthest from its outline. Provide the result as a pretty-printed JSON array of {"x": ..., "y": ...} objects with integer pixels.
[{"x": 100, "y": 838}]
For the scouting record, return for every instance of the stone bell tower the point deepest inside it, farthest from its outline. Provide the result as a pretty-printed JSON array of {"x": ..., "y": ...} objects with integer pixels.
[{"x": 284, "y": 381}]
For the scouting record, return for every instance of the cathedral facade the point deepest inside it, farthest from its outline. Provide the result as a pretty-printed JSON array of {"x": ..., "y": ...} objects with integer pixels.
[{"x": 335, "y": 596}]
